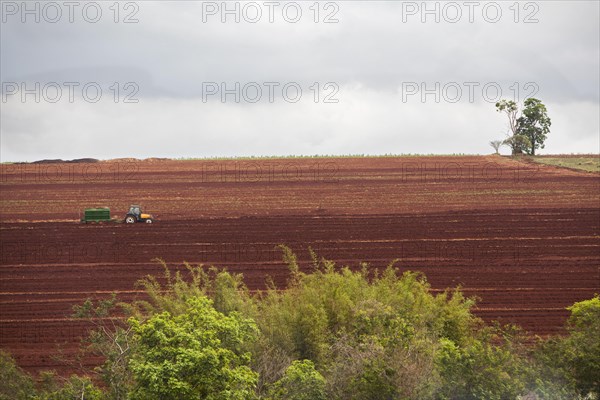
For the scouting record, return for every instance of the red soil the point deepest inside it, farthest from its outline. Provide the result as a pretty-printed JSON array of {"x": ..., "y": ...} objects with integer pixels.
[{"x": 523, "y": 238}]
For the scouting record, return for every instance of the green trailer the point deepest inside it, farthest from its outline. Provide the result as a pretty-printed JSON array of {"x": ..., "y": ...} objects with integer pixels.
[{"x": 96, "y": 215}]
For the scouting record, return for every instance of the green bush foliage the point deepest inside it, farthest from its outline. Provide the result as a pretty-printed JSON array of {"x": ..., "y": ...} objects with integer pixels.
[
  {"x": 14, "y": 382},
  {"x": 197, "y": 354},
  {"x": 574, "y": 360},
  {"x": 301, "y": 381},
  {"x": 333, "y": 333}
]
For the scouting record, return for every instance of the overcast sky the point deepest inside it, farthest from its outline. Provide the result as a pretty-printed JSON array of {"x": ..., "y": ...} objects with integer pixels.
[{"x": 185, "y": 79}]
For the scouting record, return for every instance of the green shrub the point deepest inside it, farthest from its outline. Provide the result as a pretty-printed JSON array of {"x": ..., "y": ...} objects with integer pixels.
[
  {"x": 74, "y": 388},
  {"x": 336, "y": 333},
  {"x": 301, "y": 381},
  {"x": 196, "y": 354},
  {"x": 573, "y": 361},
  {"x": 15, "y": 384}
]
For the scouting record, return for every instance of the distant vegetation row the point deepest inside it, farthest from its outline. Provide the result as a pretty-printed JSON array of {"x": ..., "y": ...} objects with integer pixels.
[
  {"x": 333, "y": 334},
  {"x": 585, "y": 162}
]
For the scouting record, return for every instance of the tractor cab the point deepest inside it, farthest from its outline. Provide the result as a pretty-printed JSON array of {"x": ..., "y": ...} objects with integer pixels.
[{"x": 135, "y": 214}]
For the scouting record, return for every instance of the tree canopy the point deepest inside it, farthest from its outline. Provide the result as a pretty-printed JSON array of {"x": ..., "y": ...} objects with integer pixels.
[
  {"x": 534, "y": 124},
  {"x": 529, "y": 128},
  {"x": 195, "y": 355}
]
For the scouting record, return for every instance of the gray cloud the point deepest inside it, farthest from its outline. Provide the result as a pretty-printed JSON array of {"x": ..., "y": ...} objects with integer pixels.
[{"x": 371, "y": 55}]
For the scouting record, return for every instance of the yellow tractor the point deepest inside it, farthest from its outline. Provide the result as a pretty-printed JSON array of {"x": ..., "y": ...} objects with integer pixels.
[{"x": 135, "y": 215}]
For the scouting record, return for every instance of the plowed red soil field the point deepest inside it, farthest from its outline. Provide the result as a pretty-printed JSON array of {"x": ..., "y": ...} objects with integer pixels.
[{"x": 524, "y": 238}]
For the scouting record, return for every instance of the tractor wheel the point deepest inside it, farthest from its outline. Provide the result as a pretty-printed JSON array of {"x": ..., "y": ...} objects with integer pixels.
[
  {"x": 129, "y": 219},
  {"x": 149, "y": 221}
]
